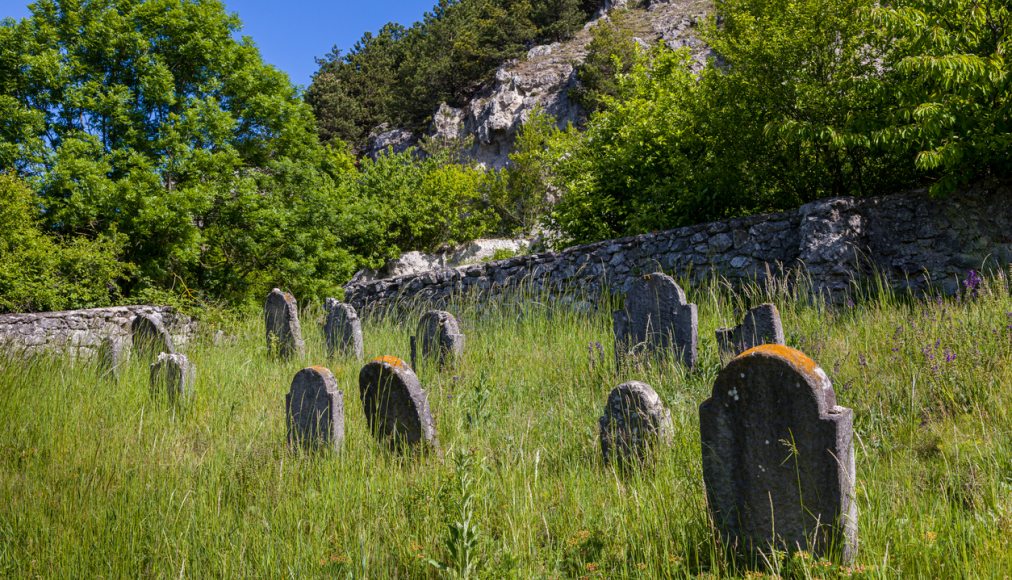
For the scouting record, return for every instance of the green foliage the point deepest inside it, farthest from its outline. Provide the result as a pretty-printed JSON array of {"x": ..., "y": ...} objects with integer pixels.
[
  {"x": 39, "y": 272},
  {"x": 400, "y": 76},
  {"x": 610, "y": 53}
]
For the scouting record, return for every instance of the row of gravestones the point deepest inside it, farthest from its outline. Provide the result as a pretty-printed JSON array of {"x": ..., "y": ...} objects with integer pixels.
[
  {"x": 778, "y": 458},
  {"x": 171, "y": 373}
]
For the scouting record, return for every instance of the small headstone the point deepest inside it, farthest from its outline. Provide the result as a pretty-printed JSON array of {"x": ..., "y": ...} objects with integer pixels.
[
  {"x": 634, "y": 421},
  {"x": 314, "y": 410},
  {"x": 112, "y": 355},
  {"x": 149, "y": 337},
  {"x": 396, "y": 407},
  {"x": 439, "y": 337},
  {"x": 172, "y": 375},
  {"x": 281, "y": 317},
  {"x": 343, "y": 331},
  {"x": 656, "y": 319},
  {"x": 329, "y": 304},
  {"x": 778, "y": 456},
  {"x": 761, "y": 325}
]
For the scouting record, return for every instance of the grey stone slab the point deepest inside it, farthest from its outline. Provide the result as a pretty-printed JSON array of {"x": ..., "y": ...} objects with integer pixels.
[
  {"x": 112, "y": 355},
  {"x": 778, "y": 456},
  {"x": 396, "y": 407},
  {"x": 173, "y": 375},
  {"x": 634, "y": 422},
  {"x": 149, "y": 337},
  {"x": 439, "y": 337},
  {"x": 657, "y": 320},
  {"x": 314, "y": 410},
  {"x": 281, "y": 318},
  {"x": 761, "y": 325},
  {"x": 343, "y": 331}
]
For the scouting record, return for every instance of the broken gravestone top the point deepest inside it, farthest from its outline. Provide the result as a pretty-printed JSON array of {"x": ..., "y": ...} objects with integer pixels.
[
  {"x": 634, "y": 421},
  {"x": 172, "y": 375},
  {"x": 656, "y": 320},
  {"x": 440, "y": 336},
  {"x": 761, "y": 325},
  {"x": 281, "y": 318},
  {"x": 149, "y": 337},
  {"x": 343, "y": 331},
  {"x": 778, "y": 456},
  {"x": 396, "y": 407},
  {"x": 314, "y": 410}
]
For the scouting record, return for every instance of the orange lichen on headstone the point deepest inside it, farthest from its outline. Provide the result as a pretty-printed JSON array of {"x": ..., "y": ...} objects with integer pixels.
[
  {"x": 794, "y": 357},
  {"x": 320, "y": 369},
  {"x": 390, "y": 360}
]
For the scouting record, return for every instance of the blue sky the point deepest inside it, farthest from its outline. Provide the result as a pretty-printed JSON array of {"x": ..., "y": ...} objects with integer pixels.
[{"x": 291, "y": 34}]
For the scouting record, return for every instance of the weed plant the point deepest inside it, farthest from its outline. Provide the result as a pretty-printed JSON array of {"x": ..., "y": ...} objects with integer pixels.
[{"x": 99, "y": 479}]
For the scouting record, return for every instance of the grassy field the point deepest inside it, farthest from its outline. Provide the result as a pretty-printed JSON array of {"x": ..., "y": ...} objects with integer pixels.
[{"x": 100, "y": 480}]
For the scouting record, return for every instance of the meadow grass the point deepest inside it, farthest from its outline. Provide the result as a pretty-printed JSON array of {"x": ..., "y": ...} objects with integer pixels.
[{"x": 100, "y": 479}]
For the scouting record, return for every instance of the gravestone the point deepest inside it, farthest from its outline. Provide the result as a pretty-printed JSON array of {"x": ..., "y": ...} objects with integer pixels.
[
  {"x": 343, "y": 331},
  {"x": 314, "y": 410},
  {"x": 634, "y": 421},
  {"x": 778, "y": 456},
  {"x": 439, "y": 337},
  {"x": 656, "y": 320},
  {"x": 112, "y": 354},
  {"x": 329, "y": 304},
  {"x": 149, "y": 337},
  {"x": 281, "y": 317},
  {"x": 396, "y": 407},
  {"x": 172, "y": 375},
  {"x": 761, "y": 325}
]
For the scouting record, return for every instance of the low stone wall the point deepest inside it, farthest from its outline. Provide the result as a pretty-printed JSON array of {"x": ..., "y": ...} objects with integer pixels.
[
  {"x": 913, "y": 239},
  {"x": 80, "y": 332}
]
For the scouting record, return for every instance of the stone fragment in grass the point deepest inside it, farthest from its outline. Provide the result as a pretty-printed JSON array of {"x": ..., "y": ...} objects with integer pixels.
[
  {"x": 396, "y": 407},
  {"x": 149, "y": 337},
  {"x": 634, "y": 422},
  {"x": 172, "y": 375},
  {"x": 656, "y": 320},
  {"x": 778, "y": 456},
  {"x": 281, "y": 318},
  {"x": 314, "y": 410},
  {"x": 112, "y": 355},
  {"x": 440, "y": 337},
  {"x": 761, "y": 325},
  {"x": 343, "y": 331}
]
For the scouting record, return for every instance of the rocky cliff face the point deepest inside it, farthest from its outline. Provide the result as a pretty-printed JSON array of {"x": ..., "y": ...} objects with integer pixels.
[{"x": 544, "y": 78}]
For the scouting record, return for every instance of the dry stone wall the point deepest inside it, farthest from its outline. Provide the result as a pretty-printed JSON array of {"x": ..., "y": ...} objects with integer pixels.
[
  {"x": 81, "y": 332},
  {"x": 912, "y": 238}
]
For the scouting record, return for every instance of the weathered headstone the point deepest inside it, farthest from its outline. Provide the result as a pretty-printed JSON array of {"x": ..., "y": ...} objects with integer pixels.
[
  {"x": 778, "y": 456},
  {"x": 761, "y": 325},
  {"x": 439, "y": 337},
  {"x": 112, "y": 354},
  {"x": 172, "y": 375},
  {"x": 314, "y": 410},
  {"x": 149, "y": 337},
  {"x": 657, "y": 319},
  {"x": 396, "y": 407},
  {"x": 281, "y": 317},
  {"x": 343, "y": 331},
  {"x": 634, "y": 421}
]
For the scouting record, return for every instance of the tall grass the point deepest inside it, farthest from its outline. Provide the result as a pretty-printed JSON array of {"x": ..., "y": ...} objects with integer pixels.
[{"x": 98, "y": 479}]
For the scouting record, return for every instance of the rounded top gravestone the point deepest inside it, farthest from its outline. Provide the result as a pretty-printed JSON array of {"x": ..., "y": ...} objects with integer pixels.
[
  {"x": 396, "y": 407},
  {"x": 778, "y": 456},
  {"x": 440, "y": 336},
  {"x": 658, "y": 319},
  {"x": 314, "y": 409},
  {"x": 149, "y": 337},
  {"x": 281, "y": 319},
  {"x": 634, "y": 420}
]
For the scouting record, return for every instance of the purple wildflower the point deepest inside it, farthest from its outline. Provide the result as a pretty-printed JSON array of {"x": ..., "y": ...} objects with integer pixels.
[
  {"x": 972, "y": 282},
  {"x": 861, "y": 360},
  {"x": 949, "y": 356}
]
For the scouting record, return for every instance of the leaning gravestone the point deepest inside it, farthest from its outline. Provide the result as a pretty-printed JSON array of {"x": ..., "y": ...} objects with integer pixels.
[
  {"x": 761, "y": 325},
  {"x": 656, "y": 319},
  {"x": 343, "y": 331},
  {"x": 149, "y": 337},
  {"x": 172, "y": 375},
  {"x": 314, "y": 410},
  {"x": 111, "y": 356},
  {"x": 281, "y": 317},
  {"x": 778, "y": 456},
  {"x": 440, "y": 337},
  {"x": 634, "y": 421},
  {"x": 396, "y": 407}
]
